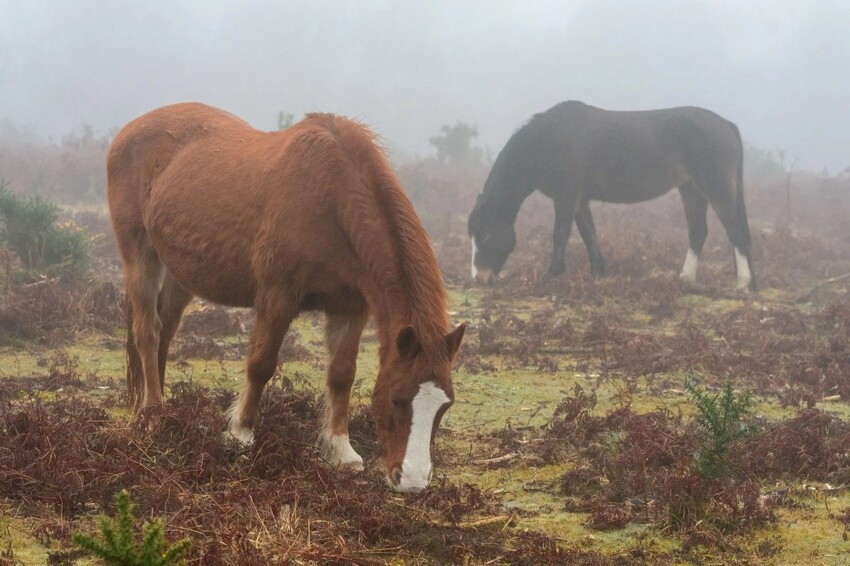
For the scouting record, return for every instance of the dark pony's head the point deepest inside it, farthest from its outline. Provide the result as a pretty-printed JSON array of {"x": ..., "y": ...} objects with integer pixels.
[{"x": 493, "y": 240}]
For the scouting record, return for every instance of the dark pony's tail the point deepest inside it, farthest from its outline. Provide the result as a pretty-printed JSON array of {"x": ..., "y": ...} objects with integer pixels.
[
  {"x": 742, "y": 208},
  {"x": 135, "y": 374}
]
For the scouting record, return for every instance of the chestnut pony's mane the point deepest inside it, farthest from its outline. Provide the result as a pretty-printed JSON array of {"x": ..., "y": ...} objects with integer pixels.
[{"x": 393, "y": 245}]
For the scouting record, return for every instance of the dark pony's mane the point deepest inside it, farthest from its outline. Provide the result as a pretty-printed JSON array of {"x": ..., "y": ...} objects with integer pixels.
[
  {"x": 394, "y": 247},
  {"x": 525, "y": 158},
  {"x": 515, "y": 171}
]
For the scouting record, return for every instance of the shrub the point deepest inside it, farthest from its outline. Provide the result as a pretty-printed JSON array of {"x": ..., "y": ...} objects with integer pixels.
[
  {"x": 718, "y": 426},
  {"x": 454, "y": 145},
  {"x": 118, "y": 546},
  {"x": 28, "y": 227},
  {"x": 764, "y": 166},
  {"x": 284, "y": 120}
]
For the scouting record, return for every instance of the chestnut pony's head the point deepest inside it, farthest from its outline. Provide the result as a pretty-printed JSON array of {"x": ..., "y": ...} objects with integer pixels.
[{"x": 413, "y": 392}]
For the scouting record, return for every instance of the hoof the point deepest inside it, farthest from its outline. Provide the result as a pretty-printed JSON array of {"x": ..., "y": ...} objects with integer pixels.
[
  {"x": 149, "y": 418},
  {"x": 337, "y": 451},
  {"x": 153, "y": 409},
  {"x": 243, "y": 434},
  {"x": 552, "y": 274},
  {"x": 689, "y": 284},
  {"x": 351, "y": 465},
  {"x": 688, "y": 278},
  {"x": 748, "y": 287}
]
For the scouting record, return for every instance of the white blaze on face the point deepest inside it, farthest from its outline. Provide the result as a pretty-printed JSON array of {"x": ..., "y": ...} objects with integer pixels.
[
  {"x": 474, "y": 269},
  {"x": 743, "y": 268},
  {"x": 689, "y": 270},
  {"x": 416, "y": 466}
]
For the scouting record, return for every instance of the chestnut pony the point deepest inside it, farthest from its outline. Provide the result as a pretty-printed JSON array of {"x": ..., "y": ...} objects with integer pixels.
[{"x": 309, "y": 218}]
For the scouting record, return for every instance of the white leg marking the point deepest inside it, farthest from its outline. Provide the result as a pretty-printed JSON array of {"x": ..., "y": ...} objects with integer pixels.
[
  {"x": 416, "y": 466},
  {"x": 337, "y": 451},
  {"x": 689, "y": 270},
  {"x": 242, "y": 433},
  {"x": 743, "y": 268},
  {"x": 473, "y": 269}
]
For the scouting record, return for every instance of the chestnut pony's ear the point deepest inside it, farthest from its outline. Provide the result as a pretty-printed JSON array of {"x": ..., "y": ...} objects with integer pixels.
[
  {"x": 453, "y": 339},
  {"x": 407, "y": 343}
]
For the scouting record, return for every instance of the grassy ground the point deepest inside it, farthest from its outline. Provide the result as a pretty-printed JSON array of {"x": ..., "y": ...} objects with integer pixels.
[
  {"x": 499, "y": 495},
  {"x": 507, "y": 393}
]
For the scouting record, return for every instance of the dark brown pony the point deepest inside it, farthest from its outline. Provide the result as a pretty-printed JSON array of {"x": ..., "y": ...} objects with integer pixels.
[
  {"x": 575, "y": 153},
  {"x": 310, "y": 218}
]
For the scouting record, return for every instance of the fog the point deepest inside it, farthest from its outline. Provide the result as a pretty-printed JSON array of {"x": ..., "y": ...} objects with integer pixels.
[{"x": 779, "y": 68}]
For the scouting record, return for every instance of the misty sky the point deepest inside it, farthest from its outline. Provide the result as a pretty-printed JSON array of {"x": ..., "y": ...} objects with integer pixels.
[{"x": 780, "y": 69}]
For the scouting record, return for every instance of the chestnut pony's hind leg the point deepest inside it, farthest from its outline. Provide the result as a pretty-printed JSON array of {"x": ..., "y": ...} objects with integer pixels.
[
  {"x": 343, "y": 340},
  {"x": 143, "y": 274},
  {"x": 171, "y": 303},
  {"x": 266, "y": 338}
]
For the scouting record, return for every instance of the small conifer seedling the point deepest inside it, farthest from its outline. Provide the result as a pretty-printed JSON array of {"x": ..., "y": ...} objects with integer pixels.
[{"x": 118, "y": 546}]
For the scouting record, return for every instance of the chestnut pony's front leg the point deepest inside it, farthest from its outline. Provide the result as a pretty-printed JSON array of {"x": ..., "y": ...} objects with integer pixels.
[
  {"x": 266, "y": 338},
  {"x": 343, "y": 340},
  {"x": 172, "y": 301}
]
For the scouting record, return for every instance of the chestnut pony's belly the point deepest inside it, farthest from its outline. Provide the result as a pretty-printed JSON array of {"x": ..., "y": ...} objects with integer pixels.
[{"x": 203, "y": 223}]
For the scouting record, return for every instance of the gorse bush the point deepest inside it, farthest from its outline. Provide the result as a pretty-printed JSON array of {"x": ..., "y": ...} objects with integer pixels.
[
  {"x": 284, "y": 120},
  {"x": 118, "y": 546},
  {"x": 765, "y": 166},
  {"x": 718, "y": 425},
  {"x": 454, "y": 145},
  {"x": 28, "y": 227}
]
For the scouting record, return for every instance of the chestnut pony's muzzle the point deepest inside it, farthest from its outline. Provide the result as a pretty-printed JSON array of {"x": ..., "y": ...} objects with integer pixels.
[{"x": 405, "y": 483}]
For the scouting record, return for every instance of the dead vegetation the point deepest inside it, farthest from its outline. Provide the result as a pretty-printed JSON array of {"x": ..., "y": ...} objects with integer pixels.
[
  {"x": 57, "y": 312},
  {"x": 62, "y": 460},
  {"x": 639, "y": 332}
]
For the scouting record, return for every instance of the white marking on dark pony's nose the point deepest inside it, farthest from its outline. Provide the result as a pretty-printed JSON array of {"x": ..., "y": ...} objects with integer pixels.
[{"x": 416, "y": 466}]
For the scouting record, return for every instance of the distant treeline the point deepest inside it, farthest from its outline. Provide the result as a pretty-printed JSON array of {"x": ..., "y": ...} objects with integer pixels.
[{"x": 72, "y": 170}]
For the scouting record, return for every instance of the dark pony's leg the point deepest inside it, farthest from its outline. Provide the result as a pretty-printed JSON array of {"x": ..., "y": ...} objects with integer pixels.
[
  {"x": 584, "y": 221},
  {"x": 171, "y": 303},
  {"x": 565, "y": 210},
  {"x": 728, "y": 203},
  {"x": 343, "y": 339},
  {"x": 696, "y": 210},
  {"x": 272, "y": 321}
]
